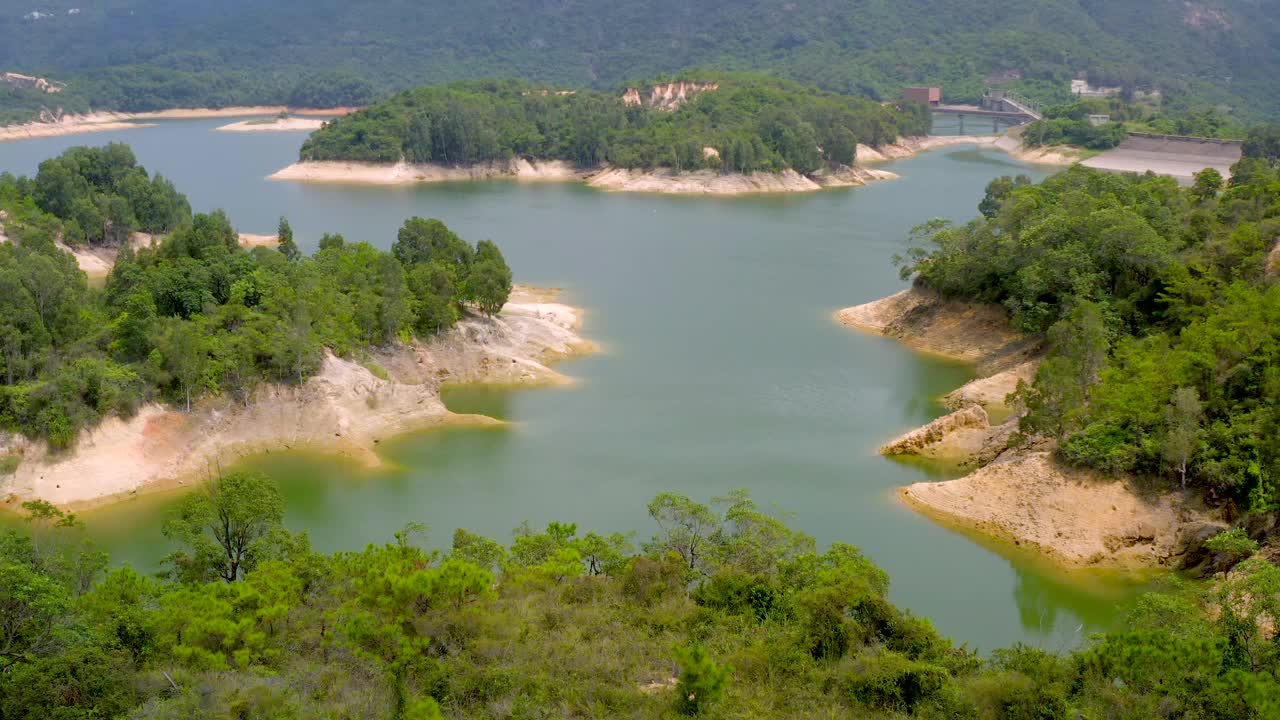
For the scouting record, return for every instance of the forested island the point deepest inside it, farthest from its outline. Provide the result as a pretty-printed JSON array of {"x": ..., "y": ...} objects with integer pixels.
[{"x": 727, "y": 125}]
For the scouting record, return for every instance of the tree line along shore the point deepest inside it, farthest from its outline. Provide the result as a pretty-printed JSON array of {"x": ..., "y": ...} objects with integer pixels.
[
  {"x": 768, "y": 134},
  {"x": 196, "y": 317}
]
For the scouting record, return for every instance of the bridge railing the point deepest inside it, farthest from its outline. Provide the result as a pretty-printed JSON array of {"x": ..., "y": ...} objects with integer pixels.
[{"x": 1032, "y": 108}]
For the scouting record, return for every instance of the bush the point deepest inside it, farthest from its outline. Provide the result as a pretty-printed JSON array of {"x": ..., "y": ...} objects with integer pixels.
[
  {"x": 740, "y": 594},
  {"x": 891, "y": 681},
  {"x": 1234, "y": 543},
  {"x": 702, "y": 682}
]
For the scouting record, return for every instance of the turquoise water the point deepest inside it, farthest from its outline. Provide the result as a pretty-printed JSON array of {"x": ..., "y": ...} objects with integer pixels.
[{"x": 722, "y": 369}]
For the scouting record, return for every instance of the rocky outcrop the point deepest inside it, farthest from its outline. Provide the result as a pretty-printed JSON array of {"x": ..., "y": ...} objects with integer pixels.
[
  {"x": 959, "y": 434},
  {"x": 1197, "y": 560},
  {"x": 992, "y": 391},
  {"x": 973, "y": 332},
  {"x": 965, "y": 437},
  {"x": 346, "y": 409},
  {"x": 666, "y": 96},
  {"x": 1273, "y": 261},
  {"x": 30, "y": 82}
]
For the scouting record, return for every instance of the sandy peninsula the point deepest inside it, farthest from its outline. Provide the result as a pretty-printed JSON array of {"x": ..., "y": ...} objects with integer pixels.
[
  {"x": 290, "y": 124},
  {"x": 1022, "y": 495},
  {"x": 346, "y": 409},
  {"x": 106, "y": 121}
]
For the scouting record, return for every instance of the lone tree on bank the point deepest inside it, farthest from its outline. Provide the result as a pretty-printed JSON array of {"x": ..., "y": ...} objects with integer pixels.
[
  {"x": 489, "y": 281},
  {"x": 287, "y": 245},
  {"x": 224, "y": 525}
]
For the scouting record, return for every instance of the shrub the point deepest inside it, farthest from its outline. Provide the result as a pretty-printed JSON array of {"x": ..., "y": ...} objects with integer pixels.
[
  {"x": 891, "y": 681},
  {"x": 740, "y": 594},
  {"x": 1234, "y": 543},
  {"x": 702, "y": 681}
]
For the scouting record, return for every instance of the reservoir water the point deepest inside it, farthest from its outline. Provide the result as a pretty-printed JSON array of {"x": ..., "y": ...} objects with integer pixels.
[{"x": 722, "y": 369}]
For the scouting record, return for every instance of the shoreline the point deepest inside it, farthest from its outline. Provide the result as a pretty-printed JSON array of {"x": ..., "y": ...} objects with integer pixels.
[
  {"x": 1020, "y": 496},
  {"x": 291, "y": 124},
  {"x": 345, "y": 410},
  {"x": 658, "y": 180},
  {"x": 107, "y": 121}
]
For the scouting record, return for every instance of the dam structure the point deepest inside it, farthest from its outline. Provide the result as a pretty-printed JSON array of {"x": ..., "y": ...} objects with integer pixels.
[{"x": 1173, "y": 155}]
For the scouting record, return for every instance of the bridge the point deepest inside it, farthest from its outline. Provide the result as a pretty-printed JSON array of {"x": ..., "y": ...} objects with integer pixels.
[{"x": 997, "y": 104}]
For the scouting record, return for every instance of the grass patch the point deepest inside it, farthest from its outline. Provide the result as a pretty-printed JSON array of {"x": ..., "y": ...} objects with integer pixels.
[
  {"x": 377, "y": 370},
  {"x": 9, "y": 463}
]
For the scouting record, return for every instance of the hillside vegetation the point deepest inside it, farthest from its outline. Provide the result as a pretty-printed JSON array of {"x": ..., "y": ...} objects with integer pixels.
[
  {"x": 751, "y": 123},
  {"x": 725, "y": 612},
  {"x": 196, "y": 314},
  {"x": 149, "y": 54},
  {"x": 1160, "y": 313}
]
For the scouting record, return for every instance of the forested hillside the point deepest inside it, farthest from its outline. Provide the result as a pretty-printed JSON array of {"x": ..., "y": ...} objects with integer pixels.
[
  {"x": 147, "y": 54},
  {"x": 1160, "y": 311},
  {"x": 724, "y": 612},
  {"x": 742, "y": 123},
  {"x": 196, "y": 314}
]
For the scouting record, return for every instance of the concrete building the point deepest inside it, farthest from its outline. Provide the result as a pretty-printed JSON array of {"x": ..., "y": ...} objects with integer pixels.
[
  {"x": 1082, "y": 88},
  {"x": 930, "y": 96}
]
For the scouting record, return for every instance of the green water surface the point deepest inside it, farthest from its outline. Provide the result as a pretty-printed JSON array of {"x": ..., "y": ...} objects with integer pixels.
[{"x": 722, "y": 369}]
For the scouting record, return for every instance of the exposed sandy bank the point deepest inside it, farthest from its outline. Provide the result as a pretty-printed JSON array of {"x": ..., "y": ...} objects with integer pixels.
[
  {"x": 253, "y": 240},
  {"x": 239, "y": 111},
  {"x": 345, "y": 409},
  {"x": 1021, "y": 495},
  {"x": 96, "y": 262},
  {"x": 710, "y": 182},
  {"x": 360, "y": 173},
  {"x": 1073, "y": 516},
  {"x": 702, "y": 182},
  {"x": 70, "y": 125},
  {"x": 967, "y": 331},
  {"x": 1011, "y": 142},
  {"x": 292, "y": 124},
  {"x": 104, "y": 121},
  {"x": 906, "y": 147},
  {"x": 990, "y": 391}
]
